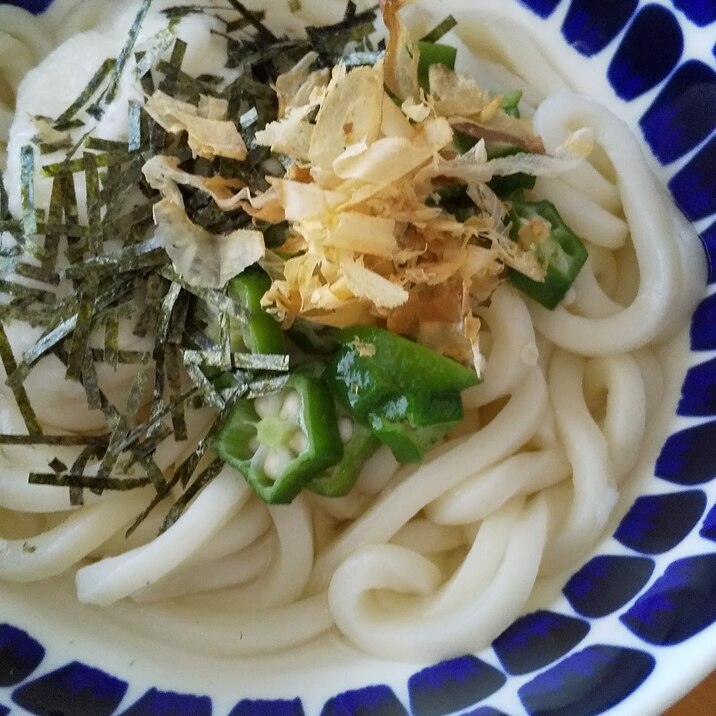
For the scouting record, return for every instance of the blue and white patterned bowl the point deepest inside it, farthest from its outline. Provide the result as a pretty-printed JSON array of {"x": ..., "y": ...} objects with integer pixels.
[{"x": 633, "y": 629}]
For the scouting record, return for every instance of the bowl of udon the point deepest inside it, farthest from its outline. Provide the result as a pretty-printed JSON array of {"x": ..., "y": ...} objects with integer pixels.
[{"x": 355, "y": 358}]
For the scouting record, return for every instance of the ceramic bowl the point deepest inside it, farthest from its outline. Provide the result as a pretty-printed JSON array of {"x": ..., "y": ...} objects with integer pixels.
[{"x": 633, "y": 629}]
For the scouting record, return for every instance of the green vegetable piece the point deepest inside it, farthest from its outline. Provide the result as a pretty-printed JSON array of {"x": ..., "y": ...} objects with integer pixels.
[
  {"x": 510, "y": 102},
  {"x": 433, "y": 53},
  {"x": 503, "y": 186},
  {"x": 440, "y": 29},
  {"x": 409, "y": 395},
  {"x": 340, "y": 479},
  {"x": 562, "y": 251},
  {"x": 411, "y": 425},
  {"x": 260, "y": 333},
  {"x": 313, "y": 338},
  {"x": 373, "y": 365},
  {"x": 293, "y": 440}
]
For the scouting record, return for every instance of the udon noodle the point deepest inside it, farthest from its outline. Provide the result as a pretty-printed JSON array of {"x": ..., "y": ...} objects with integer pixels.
[{"x": 417, "y": 562}]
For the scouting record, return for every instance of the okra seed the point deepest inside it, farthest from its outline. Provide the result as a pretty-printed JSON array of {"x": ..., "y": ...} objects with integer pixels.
[
  {"x": 299, "y": 442},
  {"x": 345, "y": 429},
  {"x": 291, "y": 408},
  {"x": 276, "y": 462},
  {"x": 263, "y": 405}
]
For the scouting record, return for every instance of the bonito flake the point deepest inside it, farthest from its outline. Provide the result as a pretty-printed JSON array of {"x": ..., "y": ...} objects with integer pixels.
[
  {"x": 364, "y": 228},
  {"x": 369, "y": 156},
  {"x": 209, "y": 133}
]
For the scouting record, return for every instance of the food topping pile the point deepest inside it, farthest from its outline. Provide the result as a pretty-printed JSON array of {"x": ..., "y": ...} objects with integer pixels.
[{"x": 304, "y": 247}]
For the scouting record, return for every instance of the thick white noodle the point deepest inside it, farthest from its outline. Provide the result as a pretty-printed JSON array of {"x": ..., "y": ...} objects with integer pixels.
[
  {"x": 228, "y": 633},
  {"x": 24, "y": 41},
  {"x": 624, "y": 421},
  {"x": 594, "y": 479},
  {"x": 236, "y": 569},
  {"x": 116, "y": 577},
  {"x": 653, "y": 227},
  {"x": 588, "y": 297},
  {"x": 513, "y": 346},
  {"x": 585, "y": 217},
  {"x": 290, "y": 568},
  {"x": 394, "y": 508},
  {"x": 465, "y": 623},
  {"x": 479, "y": 496},
  {"x": 58, "y": 549}
]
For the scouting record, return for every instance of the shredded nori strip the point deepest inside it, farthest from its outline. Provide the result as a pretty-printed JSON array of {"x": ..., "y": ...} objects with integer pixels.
[
  {"x": 57, "y": 465},
  {"x": 134, "y": 126},
  {"x": 156, "y": 289},
  {"x": 61, "y": 440},
  {"x": 94, "y": 483},
  {"x": 331, "y": 41},
  {"x": 120, "y": 272},
  {"x": 172, "y": 68},
  {"x": 32, "y": 295},
  {"x": 73, "y": 166},
  {"x": 172, "y": 358},
  {"x": 161, "y": 330},
  {"x": 253, "y": 19},
  {"x": 123, "y": 425},
  {"x": 61, "y": 330},
  {"x": 145, "y": 255},
  {"x": 440, "y": 29},
  {"x": 64, "y": 121},
  {"x": 162, "y": 41},
  {"x": 123, "y": 357},
  {"x": 21, "y": 397},
  {"x": 4, "y": 201},
  {"x": 96, "y": 110},
  {"x": 216, "y": 298},
  {"x": 201, "y": 481},
  {"x": 111, "y": 343},
  {"x": 82, "y": 329},
  {"x": 27, "y": 191}
]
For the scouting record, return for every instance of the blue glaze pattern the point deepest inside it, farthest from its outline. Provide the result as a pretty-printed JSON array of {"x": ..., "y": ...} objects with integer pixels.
[
  {"x": 34, "y": 6},
  {"x": 634, "y": 71},
  {"x": 73, "y": 690},
  {"x": 369, "y": 701},
  {"x": 606, "y": 583},
  {"x": 452, "y": 685},
  {"x": 248, "y": 707},
  {"x": 709, "y": 527},
  {"x": 694, "y": 187},
  {"x": 537, "y": 640},
  {"x": 558, "y": 674},
  {"x": 588, "y": 29},
  {"x": 20, "y": 655},
  {"x": 683, "y": 114},
  {"x": 699, "y": 391},
  {"x": 708, "y": 238},
  {"x": 678, "y": 605},
  {"x": 684, "y": 459},
  {"x": 657, "y": 523},
  {"x": 164, "y": 703},
  {"x": 700, "y": 12},
  {"x": 703, "y": 324},
  {"x": 542, "y": 8},
  {"x": 588, "y": 682}
]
